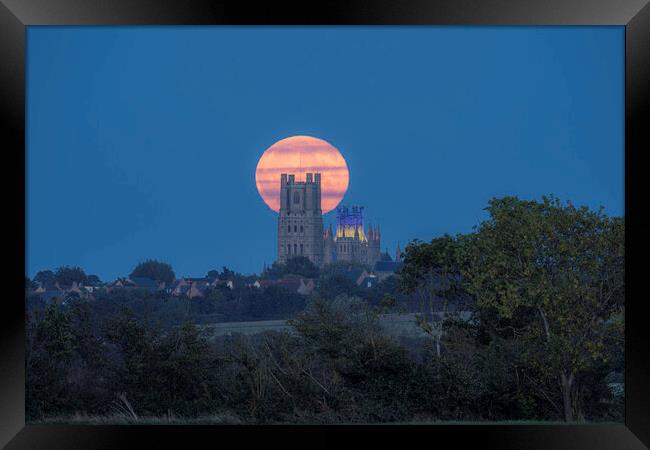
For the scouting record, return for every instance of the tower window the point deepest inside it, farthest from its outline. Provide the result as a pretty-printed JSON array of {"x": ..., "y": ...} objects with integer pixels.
[
  {"x": 295, "y": 249},
  {"x": 301, "y": 229},
  {"x": 295, "y": 228},
  {"x": 289, "y": 229},
  {"x": 289, "y": 249},
  {"x": 296, "y": 198},
  {"x": 301, "y": 250}
]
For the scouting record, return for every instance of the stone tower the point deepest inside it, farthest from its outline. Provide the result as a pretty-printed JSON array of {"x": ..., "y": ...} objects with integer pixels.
[{"x": 300, "y": 222}]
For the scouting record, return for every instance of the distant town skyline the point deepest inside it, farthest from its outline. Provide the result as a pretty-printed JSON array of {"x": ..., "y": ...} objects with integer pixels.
[{"x": 142, "y": 143}]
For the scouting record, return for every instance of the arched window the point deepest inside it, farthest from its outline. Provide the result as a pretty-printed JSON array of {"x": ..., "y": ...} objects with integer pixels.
[
  {"x": 295, "y": 249},
  {"x": 301, "y": 250},
  {"x": 288, "y": 228},
  {"x": 295, "y": 228},
  {"x": 289, "y": 249},
  {"x": 301, "y": 229},
  {"x": 296, "y": 197}
]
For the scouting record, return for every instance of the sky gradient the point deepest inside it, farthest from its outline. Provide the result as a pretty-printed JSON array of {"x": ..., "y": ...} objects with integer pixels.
[{"x": 143, "y": 142}]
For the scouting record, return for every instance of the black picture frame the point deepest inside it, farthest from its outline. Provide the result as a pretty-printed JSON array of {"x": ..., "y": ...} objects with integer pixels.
[{"x": 634, "y": 15}]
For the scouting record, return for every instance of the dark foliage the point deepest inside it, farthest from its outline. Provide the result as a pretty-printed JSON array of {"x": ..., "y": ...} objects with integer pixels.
[
  {"x": 130, "y": 352},
  {"x": 299, "y": 265},
  {"x": 67, "y": 275},
  {"x": 154, "y": 270}
]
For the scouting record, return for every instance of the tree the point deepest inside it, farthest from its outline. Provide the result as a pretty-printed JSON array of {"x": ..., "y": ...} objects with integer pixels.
[
  {"x": 364, "y": 373},
  {"x": 557, "y": 271},
  {"x": 274, "y": 271},
  {"x": 154, "y": 270},
  {"x": 67, "y": 275},
  {"x": 93, "y": 280},
  {"x": 30, "y": 284},
  {"x": 227, "y": 274},
  {"x": 431, "y": 271},
  {"x": 50, "y": 350},
  {"x": 301, "y": 265},
  {"x": 332, "y": 286},
  {"x": 45, "y": 277}
]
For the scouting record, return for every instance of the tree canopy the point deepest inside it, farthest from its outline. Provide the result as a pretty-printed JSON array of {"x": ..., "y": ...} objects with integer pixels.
[
  {"x": 299, "y": 265},
  {"x": 557, "y": 271},
  {"x": 154, "y": 270},
  {"x": 67, "y": 275},
  {"x": 45, "y": 277}
]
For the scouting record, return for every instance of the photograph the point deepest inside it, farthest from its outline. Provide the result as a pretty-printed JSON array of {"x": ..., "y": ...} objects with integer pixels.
[{"x": 318, "y": 225}]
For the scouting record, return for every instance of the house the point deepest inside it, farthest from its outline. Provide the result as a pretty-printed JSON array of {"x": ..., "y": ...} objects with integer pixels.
[
  {"x": 362, "y": 276},
  {"x": 263, "y": 284},
  {"x": 145, "y": 283},
  {"x": 368, "y": 282},
  {"x": 75, "y": 288},
  {"x": 306, "y": 287},
  {"x": 203, "y": 282},
  {"x": 351, "y": 274},
  {"x": 178, "y": 287},
  {"x": 190, "y": 287},
  {"x": 50, "y": 294},
  {"x": 386, "y": 267},
  {"x": 303, "y": 286},
  {"x": 47, "y": 287},
  {"x": 227, "y": 283},
  {"x": 196, "y": 290}
]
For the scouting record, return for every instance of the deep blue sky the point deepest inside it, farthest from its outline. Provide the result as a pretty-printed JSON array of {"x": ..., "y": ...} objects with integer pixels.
[{"x": 142, "y": 142}]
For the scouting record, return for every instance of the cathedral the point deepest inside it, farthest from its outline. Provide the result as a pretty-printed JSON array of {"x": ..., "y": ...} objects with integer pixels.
[{"x": 301, "y": 231}]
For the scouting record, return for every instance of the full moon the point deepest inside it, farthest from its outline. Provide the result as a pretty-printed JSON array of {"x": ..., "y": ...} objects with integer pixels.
[{"x": 300, "y": 155}]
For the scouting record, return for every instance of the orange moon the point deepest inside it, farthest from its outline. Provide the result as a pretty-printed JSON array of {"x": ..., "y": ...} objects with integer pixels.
[{"x": 300, "y": 155}]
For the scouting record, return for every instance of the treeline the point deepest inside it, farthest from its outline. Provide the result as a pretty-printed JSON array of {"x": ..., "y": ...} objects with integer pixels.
[
  {"x": 220, "y": 303},
  {"x": 539, "y": 336}
]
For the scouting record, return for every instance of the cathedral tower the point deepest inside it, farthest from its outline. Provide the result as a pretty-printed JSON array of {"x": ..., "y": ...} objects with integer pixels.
[{"x": 300, "y": 222}]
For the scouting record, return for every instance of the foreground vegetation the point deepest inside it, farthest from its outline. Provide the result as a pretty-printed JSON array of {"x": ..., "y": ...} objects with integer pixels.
[{"x": 524, "y": 318}]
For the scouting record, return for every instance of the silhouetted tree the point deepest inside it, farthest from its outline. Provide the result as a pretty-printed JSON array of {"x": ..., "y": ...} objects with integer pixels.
[
  {"x": 67, "y": 275},
  {"x": 301, "y": 265},
  {"x": 154, "y": 270},
  {"x": 45, "y": 277},
  {"x": 93, "y": 280}
]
